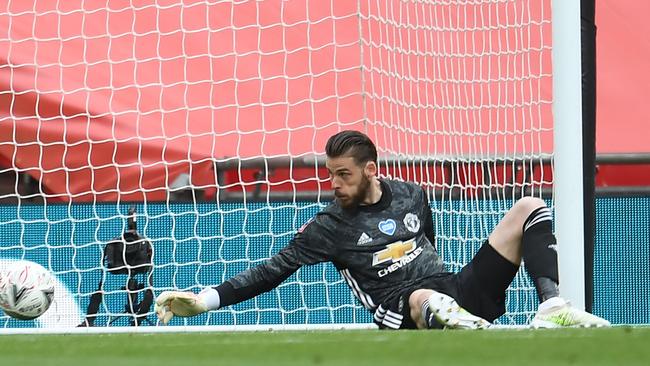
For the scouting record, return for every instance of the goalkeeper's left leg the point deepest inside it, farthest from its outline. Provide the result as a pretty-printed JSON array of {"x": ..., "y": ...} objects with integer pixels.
[
  {"x": 438, "y": 310},
  {"x": 184, "y": 303}
]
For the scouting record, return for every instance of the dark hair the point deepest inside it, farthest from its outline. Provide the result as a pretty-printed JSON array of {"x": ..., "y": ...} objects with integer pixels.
[{"x": 351, "y": 143}]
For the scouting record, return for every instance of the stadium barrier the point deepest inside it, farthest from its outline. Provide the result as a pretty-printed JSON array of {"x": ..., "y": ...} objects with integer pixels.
[{"x": 196, "y": 245}]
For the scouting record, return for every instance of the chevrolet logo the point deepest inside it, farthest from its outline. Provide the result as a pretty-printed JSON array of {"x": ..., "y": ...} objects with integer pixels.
[{"x": 393, "y": 252}]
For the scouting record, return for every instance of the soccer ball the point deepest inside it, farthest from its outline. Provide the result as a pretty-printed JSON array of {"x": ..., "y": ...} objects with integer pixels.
[{"x": 26, "y": 290}]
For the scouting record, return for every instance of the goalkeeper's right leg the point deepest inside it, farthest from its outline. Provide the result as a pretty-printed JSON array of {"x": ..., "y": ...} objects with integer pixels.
[{"x": 178, "y": 303}]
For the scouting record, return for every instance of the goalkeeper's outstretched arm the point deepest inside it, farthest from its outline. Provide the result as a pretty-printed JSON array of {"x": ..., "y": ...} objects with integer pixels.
[{"x": 241, "y": 287}]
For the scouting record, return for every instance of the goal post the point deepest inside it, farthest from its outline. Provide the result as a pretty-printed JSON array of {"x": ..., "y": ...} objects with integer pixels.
[
  {"x": 209, "y": 119},
  {"x": 568, "y": 151}
]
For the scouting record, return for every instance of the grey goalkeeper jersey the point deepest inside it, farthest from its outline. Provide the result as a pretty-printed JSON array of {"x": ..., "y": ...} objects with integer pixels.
[{"x": 379, "y": 249}]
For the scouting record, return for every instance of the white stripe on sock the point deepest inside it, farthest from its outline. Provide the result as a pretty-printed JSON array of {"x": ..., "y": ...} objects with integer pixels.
[{"x": 541, "y": 215}]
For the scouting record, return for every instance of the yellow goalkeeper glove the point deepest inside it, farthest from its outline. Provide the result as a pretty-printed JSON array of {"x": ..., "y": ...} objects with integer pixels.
[{"x": 178, "y": 303}]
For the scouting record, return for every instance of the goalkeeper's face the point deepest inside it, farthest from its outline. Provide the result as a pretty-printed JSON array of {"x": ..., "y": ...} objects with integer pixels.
[{"x": 351, "y": 183}]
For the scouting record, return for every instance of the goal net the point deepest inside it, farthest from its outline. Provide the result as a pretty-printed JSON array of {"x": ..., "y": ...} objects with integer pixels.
[{"x": 209, "y": 119}]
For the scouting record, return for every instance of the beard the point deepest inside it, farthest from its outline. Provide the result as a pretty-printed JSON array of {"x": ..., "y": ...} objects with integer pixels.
[{"x": 354, "y": 200}]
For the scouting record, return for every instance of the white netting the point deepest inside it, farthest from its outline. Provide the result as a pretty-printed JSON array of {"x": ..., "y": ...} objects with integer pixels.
[
  {"x": 460, "y": 93},
  {"x": 210, "y": 118}
]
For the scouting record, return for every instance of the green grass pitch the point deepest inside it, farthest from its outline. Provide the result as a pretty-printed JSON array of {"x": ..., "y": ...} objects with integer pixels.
[{"x": 613, "y": 346}]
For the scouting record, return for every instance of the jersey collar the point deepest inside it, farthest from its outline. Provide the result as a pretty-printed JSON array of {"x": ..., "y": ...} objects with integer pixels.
[{"x": 384, "y": 201}]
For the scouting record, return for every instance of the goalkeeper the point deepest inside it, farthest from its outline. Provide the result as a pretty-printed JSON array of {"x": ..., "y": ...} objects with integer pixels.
[{"x": 379, "y": 234}]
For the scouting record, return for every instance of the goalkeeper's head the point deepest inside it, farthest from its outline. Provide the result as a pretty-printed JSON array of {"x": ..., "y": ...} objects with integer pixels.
[{"x": 352, "y": 165}]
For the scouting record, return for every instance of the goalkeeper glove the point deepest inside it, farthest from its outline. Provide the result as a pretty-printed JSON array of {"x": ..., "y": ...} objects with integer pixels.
[{"x": 178, "y": 303}]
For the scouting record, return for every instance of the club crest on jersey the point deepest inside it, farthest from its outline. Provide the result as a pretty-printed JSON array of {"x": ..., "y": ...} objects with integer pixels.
[
  {"x": 387, "y": 226},
  {"x": 412, "y": 222}
]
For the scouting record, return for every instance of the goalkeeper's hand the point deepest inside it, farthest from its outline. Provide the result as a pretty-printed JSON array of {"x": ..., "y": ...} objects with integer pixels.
[{"x": 178, "y": 303}]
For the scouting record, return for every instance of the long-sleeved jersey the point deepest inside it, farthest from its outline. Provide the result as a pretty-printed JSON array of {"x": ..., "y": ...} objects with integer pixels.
[{"x": 379, "y": 249}]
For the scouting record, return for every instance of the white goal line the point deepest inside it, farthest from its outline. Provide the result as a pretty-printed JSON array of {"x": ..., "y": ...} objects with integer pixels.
[{"x": 208, "y": 329}]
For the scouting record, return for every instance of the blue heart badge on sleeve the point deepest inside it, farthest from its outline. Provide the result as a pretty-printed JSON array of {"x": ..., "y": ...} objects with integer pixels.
[{"x": 387, "y": 226}]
